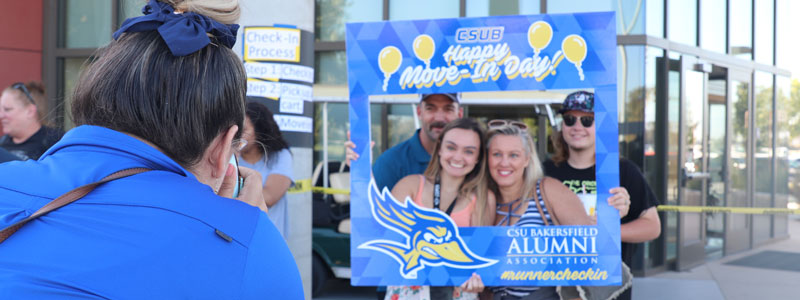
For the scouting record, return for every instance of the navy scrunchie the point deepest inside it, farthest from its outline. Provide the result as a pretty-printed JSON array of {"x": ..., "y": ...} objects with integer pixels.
[{"x": 184, "y": 33}]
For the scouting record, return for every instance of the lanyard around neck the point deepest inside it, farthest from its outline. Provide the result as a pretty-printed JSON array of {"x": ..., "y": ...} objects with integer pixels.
[{"x": 437, "y": 200}]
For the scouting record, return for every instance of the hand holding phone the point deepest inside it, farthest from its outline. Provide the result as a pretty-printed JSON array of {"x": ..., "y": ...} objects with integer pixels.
[
  {"x": 243, "y": 184},
  {"x": 239, "y": 180}
]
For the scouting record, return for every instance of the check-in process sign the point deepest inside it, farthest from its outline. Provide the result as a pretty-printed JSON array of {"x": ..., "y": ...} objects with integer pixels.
[
  {"x": 397, "y": 242},
  {"x": 272, "y": 62},
  {"x": 271, "y": 44}
]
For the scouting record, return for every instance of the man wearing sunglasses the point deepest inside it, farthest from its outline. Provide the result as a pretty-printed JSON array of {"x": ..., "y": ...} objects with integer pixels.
[
  {"x": 574, "y": 164},
  {"x": 24, "y": 136}
]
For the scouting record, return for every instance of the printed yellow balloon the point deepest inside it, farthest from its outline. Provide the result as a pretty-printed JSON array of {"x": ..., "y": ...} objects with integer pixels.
[
  {"x": 574, "y": 47},
  {"x": 539, "y": 35},
  {"x": 424, "y": 48},
  {"x": 389, "y": 60}
]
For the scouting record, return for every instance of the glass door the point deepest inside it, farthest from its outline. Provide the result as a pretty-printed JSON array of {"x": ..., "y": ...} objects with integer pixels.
[
  {"x": 717, "y": 160},
  {"x": 693, "y": 172},
  {"x": 737, "y": 233}
]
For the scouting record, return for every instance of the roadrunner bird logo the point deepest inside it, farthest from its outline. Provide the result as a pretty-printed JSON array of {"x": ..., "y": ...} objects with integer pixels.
[{"x": 431, "y": 239}]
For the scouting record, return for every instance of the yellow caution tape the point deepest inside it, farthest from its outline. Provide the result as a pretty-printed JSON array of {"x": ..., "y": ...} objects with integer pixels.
[
  {"x": 300, "y": 186},
  {"x": 330, "y": 191},
  {"x": 304, "y": 185},
  {"x": 735, "y": 210}
]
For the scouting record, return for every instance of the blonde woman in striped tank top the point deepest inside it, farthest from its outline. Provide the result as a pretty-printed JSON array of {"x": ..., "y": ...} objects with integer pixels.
[
  {"x": 458, "y": 169},
  {"x": 518, "y": 182}
]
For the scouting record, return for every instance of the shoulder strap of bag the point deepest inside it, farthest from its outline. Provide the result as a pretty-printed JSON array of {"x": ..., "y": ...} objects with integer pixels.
[
  {"x": 542, "y": 184},
  {"x": 540, "y": 194},
  {"x": 67, "y": 198}
]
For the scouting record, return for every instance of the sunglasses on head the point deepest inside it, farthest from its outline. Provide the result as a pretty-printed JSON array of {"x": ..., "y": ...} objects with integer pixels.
[
  {"x": 497, "y": 123},
  {"x": 21, "y": 86},
  {"x": 586, "y": 121}
]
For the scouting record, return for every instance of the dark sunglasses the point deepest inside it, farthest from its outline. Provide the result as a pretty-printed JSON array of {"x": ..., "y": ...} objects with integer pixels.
[
  {"x": 21, "y": 86},
  {"x": 497, "y": 123},
  {"x": 586, "y": 121}
]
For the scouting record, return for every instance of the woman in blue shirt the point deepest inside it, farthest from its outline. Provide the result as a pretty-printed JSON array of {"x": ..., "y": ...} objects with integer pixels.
[
  {"x": 168, "y": 95},
  {"x": 268, "y": 153}
]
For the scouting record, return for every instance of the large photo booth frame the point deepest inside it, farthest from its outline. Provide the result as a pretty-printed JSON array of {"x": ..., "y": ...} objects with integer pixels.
[{"x": 508, "y": 53}]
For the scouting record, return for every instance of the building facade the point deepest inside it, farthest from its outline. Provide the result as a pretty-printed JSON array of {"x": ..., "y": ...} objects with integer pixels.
[{"x": 707, "y": 106}]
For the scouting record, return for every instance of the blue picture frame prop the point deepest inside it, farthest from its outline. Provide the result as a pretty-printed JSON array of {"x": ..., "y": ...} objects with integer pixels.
[{"x": 537, "y": 52}]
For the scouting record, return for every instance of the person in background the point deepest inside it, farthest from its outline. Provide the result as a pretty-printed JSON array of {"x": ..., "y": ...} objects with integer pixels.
[
  {"x": 268, "y": 153},
  {"x": 574, "y": 165},
  {"x": 21, "y": 114},
  {"x": 165, "y": 99}
]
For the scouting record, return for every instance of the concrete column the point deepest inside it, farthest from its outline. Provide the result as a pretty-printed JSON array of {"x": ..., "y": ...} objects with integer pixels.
[{"x": 300, "y": 14}]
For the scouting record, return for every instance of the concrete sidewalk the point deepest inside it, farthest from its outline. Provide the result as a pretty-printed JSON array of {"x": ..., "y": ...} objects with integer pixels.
[{"x": 717, "y": 280}]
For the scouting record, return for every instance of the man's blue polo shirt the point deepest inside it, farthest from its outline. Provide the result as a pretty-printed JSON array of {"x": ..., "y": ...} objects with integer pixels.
[{"x": 406, "y": 158}]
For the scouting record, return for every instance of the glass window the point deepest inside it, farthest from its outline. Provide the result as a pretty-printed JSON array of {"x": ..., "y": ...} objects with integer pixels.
[
  {"x": 87, "y": 24},
  {"x": 337, "y": 126},
  {"x": 763, "y": 154},
  {"x": 653, "y": 57},
  {"x": 71, "y": 71},
  {"x": 376, "y": 111},
  {"x": 682, "y": 21},
  {"x": 630, "y": 20},
  {"x": 786, "y": 23},
  {"x": 631, "y": 105},
  {"x": 483, "y": 8},
  {"x": 654, "y": 11},
  {"x": 330, "y": 67},
  {"x": 423, "y": 9},
  {"x": 558, "y": 6},
  {"x": 737, "y": 164},
  {"x": 741, "y": 29},
  {"x": 764, "y": 30},
  {"x": 673, "y": 164},
  {"x": 713, "y": 19},
  {"x": 401, "y": 124},
  {"x": 763, "y": 133},
  {"x": 129, "y": 9},
  {"x": 638, "y": 127},
  {"x": 786, "y": 169},
  {"x": 333, "y": 14}
]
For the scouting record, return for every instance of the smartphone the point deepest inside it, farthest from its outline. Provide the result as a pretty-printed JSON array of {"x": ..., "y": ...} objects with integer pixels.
[{"x": 239, "y": 180}]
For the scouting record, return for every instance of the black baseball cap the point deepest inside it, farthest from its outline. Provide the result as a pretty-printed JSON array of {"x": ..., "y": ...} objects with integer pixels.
[
  {"x": 580, "y": 101},
  {"x": 456, "y": 97}
]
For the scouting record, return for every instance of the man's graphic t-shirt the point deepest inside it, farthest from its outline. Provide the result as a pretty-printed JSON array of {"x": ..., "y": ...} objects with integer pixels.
[
  {"x": 586, "y": 191},
  {"x": 582, "y": 182}
]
